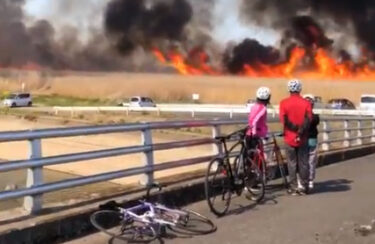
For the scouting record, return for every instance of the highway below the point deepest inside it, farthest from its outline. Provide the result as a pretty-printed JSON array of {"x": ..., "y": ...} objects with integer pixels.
[{"x": 344, "y": 198}]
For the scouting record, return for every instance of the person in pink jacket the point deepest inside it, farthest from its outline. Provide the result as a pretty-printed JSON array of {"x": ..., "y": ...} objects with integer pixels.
[{"x": 258, "y": 118}]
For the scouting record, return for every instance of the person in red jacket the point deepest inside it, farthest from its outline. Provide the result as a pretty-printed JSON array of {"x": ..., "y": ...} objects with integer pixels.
[{"x": 295, "y": 116}]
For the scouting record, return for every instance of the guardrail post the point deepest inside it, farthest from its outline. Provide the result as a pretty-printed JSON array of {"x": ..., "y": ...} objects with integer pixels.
[
  {"x": 346, "y": 142},
  {"x": 34, "y": 177},
  {"x": 71, "y": 112},
  {"x": 216, "y": 148},
  {"x": 373, "y": 131},
  {"x": 359, "y": 132},
  {"x": 147, "y": 158},
  {"x": 325, "y": 145}
]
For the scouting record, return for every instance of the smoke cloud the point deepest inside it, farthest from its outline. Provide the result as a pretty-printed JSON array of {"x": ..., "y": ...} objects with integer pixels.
[
  {"x": 23, "y": 42},
  {"x": 249, "y": 52},
  {"x": 119, "y": 34},
  {"x": 344, "y": 13},
  {"x": 143, "y": 23}
]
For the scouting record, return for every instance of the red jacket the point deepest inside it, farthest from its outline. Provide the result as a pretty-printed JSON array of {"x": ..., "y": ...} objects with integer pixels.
[{"x": 295, "y": 115}]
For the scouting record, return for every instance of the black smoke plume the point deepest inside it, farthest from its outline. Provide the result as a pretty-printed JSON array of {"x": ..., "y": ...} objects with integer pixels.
[
  {"x": 21, "y": 44},
  {"x": 308, "y": 32},
  {"x": 249, "y": 52},
  {"x": 133, "y": 23},
  {"x": 276, "y": 14}
]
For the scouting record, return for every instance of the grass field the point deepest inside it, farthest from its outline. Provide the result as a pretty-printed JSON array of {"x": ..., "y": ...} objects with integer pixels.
[
  {"x": 61, "y": 100},
  {"x": 110, "y": 87}
]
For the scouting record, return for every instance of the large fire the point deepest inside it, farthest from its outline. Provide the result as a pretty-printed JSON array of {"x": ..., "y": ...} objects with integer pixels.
[
  {"x": 325, "y": 67},
  {"x": 178, "y": 62},
  {"x": 29, "y": 66}
]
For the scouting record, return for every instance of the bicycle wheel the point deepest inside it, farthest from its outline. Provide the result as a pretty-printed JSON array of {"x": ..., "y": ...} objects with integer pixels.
[
  {"x": 271, "y": 167},
  {"x": 279, "y": 160},
  {"x": 255, "y": 178},
  {"x": 218, "y": 187},
  {"x": 112, "y": 223},
  {"x": 189, "y": 223}
]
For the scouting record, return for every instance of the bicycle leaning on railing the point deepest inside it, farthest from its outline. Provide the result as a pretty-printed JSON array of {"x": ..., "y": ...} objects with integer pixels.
[
  {"x": 274, "y": 163},
  {"x": 148, "y": 221},
  {"x": 248, "y": 170},
  {"x": 225, "y": 176}
]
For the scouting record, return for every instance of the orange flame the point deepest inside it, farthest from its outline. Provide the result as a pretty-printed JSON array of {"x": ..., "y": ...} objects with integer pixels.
[
  {"x": 159, "y": 55},
  {"x": 179, "y": 62},
  {"x": 29, "y": 66},
  {"x": 296, "y": 56},
  {"x": 280, "y": 70},
  {"x": 326, "y": 67}
]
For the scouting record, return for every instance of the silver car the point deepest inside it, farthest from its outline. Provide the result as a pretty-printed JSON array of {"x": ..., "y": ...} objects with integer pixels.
[
  {"x": 18, "y": 100},
  {"x": 139, "y": 101}
]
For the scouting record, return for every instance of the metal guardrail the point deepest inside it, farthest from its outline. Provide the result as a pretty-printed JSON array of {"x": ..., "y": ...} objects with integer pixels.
[
  {"x": 194, "y": 109},
  {"x": 35, "y": 186}
]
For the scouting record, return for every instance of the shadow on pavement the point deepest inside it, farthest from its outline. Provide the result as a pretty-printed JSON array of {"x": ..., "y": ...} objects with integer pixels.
[
  {"x": 273, "y": 191},
  {"x": 240, "y": 208},
  {"x": 169, "y": 235},
  {"x": 337, "y": 185}
]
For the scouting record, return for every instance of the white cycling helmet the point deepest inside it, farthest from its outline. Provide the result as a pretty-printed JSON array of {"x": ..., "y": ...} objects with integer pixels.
[
  {"x": 294, "y": 86},
  {"x": 263, "y": 93}
]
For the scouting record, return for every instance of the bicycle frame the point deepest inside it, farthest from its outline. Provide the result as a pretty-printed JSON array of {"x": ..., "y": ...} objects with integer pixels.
[
  {"x": 226, "y": 159},
  {"x": 149, "y": 216},
  {"x": 260, "y": 155}
]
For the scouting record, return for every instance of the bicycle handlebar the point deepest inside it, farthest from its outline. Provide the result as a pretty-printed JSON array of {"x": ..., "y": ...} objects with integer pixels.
[
  {"x": 152, "y": 186},
  {"x": 277, "y": 134},
  {"x": 240, "y": 133}
]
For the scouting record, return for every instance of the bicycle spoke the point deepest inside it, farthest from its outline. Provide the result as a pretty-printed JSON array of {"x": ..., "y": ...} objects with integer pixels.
[
  {"x": 217, "y": 184},
  {"x": 255, "y": 177},
  {"x": 194, "y": 223}
]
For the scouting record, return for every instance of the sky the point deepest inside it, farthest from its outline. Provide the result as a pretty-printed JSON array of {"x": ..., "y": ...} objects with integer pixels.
[
  {"x": 34, "y": 6},
  {"x": 228, "y": 27},
  {"x": 80, "y": 15}
]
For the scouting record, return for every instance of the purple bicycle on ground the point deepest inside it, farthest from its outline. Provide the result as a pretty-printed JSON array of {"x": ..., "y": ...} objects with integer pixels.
[{"x": 149, "y": 221}]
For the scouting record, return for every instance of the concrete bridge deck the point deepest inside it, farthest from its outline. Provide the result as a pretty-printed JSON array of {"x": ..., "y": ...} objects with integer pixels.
[{"x": 344, "y": 197}]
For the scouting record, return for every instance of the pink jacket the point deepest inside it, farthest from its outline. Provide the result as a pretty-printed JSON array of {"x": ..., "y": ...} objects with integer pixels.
[{"x": 258, "y": 121}]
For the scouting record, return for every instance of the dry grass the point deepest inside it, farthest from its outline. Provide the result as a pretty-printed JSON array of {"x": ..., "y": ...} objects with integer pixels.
[{"x": 174, "y": 88}]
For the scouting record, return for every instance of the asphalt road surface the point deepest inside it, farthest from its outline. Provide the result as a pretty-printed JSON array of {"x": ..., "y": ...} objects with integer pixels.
[{"x": 344, "y": 198}]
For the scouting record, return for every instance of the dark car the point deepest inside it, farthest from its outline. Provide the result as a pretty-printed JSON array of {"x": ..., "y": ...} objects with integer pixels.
[{"x": 340, "y": 103}]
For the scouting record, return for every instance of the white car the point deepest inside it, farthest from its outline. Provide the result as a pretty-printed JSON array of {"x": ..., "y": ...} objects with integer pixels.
[
  {"x": 18, "y": 100},
  {"x": 249, "y": 104},
  {"x": 367, "y": 102},
  {"x": 139, "y": 101}
]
